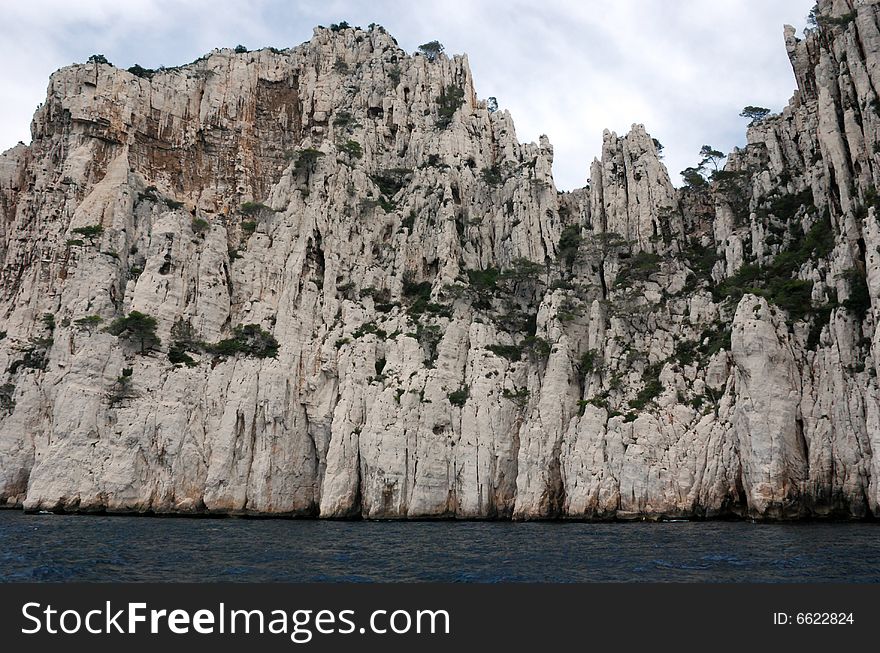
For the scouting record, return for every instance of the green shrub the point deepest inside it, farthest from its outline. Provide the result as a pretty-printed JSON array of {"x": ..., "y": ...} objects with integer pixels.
[
  {"x": 697, "y": 402},
  {"x": 150, "y": 194},
  {"x": 341, "y": 119},
  {"x": 433, "y": 161},
  {"x": 587, "y": 362},
  {"x": 742, "y": 281},
  {"x": 90, "y": 231},
  {"x": 429, "y": 337},
  {"x": 651, "y": 389},
  {"x": 139, "y": 71},
  {"x": 306, "y": 160},
  {"x": 460, "y": 396},
  {"x": 137, "y": 328},
  {"x": 727, "y": 177},
  {"x": 522, "y": 270},
  {"x": 713, "y": 340},
  {"x": 386, "y": 204},
  {"x": 411, "y": 288},
  {"x": 409, "y": 221},
  {"x": 253, "y": 208},
  {"x": 483, "y": 280},
  {"x": 183, "y": 335},
  {"x": 352, "y": 149},
  {"x": 122, "y": 389},
  {"x": 440, "y": 310},
  {"x": 536, "y": 346},
  {"x": 821, "y": 317},
  {"x": 519, "y": 396},
  {"x": 240, "y": 49},
  {"x": 785, "y": 207},
  {"x": 177, "y": 356},
  {"x": 842, "y": 20},
  {"x": 248, "y": 226},
  {"x": 776, "y": 282},
  {"x": 791, "y": 295},
  {"x": 392, "y": 180},
  {"x": 200, "y": 226},
  {"x": 449, "y": 100},
  {"x": 818, "y": 242},
  {"x": 7, "y": 402},
  {"x": 692, "y": 178},
  {"x": 512, "y": 353},
  {"x": 34, "y": 355},
  {"x": 686, "y": 352},
  {"x": 247, "y": 340},
  {"x": 492, "y": 176},
  {"x": 418, "y": 292},
  {"x": 569, "y": 243},
  {"x": 368, "y": 328},
  {"x": 859, "y": 300},
  {"x": 701, "y": 260},
  {"x": 872, "y": 198},
  {"x": 638, "y": 268}
]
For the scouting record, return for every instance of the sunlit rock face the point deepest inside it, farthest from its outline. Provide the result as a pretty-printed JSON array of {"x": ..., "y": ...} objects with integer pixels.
[{"x": 362, "y": 296}]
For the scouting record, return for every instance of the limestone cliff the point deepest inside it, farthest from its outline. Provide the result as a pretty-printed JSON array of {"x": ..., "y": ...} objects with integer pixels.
[{"x": 330, "y": 281}]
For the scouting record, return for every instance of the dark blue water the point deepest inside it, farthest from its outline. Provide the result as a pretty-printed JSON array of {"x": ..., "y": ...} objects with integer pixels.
[{"x": 97, "y": 548}]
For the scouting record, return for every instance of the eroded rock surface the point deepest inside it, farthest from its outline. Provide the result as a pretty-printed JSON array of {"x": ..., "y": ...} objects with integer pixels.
[{"x": 455, "y": 338}]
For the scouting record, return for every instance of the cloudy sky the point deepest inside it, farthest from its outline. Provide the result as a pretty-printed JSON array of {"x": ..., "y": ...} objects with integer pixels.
[{"x": 567, "y": 68}]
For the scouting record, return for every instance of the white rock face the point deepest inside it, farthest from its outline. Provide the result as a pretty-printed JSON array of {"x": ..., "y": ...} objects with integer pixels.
[
  {"x": 767, "y": 425},
  {"x": 631, "y": 191},
  {"x": 455, "y": 338}
]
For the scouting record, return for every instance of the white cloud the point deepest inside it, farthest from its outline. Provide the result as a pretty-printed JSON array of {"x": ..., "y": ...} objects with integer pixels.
[{"x": 567, "y": 68}]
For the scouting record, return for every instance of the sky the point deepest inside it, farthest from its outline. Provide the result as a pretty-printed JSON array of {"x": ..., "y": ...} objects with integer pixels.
[{"x": 565, "y": 68}]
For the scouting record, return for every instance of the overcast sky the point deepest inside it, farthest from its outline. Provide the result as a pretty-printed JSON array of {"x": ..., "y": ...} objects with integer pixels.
[{"x": 567, "y": 68}]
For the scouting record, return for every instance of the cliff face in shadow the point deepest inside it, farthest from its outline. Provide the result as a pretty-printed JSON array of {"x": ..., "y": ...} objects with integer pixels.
[{"x": 330, "y": 281}]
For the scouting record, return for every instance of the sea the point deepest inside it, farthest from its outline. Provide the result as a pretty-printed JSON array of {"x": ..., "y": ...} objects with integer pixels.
[{"x": 97, "y": 548}]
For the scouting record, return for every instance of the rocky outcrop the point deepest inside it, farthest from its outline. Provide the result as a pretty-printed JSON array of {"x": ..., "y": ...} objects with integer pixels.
[
  {"x": 330, "y": 281},
  {"x": 631, "y": 192}
]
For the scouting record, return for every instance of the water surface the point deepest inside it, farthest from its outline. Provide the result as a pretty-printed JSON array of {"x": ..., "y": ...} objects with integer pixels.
[{"x": 103, "y": 548}]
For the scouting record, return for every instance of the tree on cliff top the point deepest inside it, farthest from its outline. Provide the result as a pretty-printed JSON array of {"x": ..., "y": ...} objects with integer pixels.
[
  {"x": 693, "y": 177},
  {"x": 755, "y": 114},
  {"x": 711, "y": 155},
  {"x": 431, "y": 49}
]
